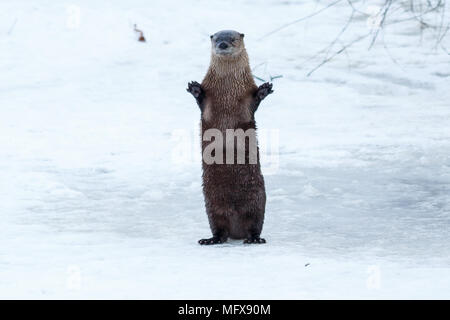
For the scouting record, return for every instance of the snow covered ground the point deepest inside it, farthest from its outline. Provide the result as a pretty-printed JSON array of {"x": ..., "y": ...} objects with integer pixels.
[{"x": 95, "y": 202}]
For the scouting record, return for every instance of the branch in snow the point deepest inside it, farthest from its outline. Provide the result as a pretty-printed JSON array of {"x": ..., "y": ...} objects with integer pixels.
[
  {"x": 299, "y": 20},
  {"x": 141, "y": 34},
  {"x": 12, "y": 27}
]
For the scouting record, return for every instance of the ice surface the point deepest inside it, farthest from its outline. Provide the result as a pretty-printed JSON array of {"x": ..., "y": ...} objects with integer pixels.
[{"x": 95, "y": 203}]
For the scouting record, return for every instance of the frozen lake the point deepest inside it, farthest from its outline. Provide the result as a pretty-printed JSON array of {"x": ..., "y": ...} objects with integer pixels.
[{"x": 95, "y": 201}]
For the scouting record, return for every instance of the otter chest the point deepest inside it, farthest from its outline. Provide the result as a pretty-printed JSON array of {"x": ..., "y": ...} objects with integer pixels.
[{"x": 227, "y": 112}]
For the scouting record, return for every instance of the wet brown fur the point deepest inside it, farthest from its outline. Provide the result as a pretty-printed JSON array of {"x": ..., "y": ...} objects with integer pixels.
[{"x": 234, "y": 194}]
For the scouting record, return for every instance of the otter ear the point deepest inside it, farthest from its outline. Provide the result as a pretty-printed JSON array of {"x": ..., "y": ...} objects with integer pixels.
[{"x": 242, "y": 35}]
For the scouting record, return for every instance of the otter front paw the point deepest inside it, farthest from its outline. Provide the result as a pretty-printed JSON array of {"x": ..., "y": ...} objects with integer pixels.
[
  {"x": 264, "y": 90},
  {"x": 213, "y": 240},
  {"x": 255, "y": 240},
  {"x": 195, "y": 89}
]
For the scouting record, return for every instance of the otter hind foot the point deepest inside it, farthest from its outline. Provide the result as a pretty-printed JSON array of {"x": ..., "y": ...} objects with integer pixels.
[
  {"x": 254, "y": 240},
  {"x": 213, "y": 240},
  {"x": 264, "y": 90}
]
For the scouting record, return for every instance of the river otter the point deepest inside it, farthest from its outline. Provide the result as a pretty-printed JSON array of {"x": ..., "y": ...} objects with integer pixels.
[{"x": 228, "y": 98}]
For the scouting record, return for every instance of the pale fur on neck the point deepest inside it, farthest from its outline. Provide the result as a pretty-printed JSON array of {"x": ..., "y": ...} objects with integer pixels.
[{"x": 229, "y": 73}]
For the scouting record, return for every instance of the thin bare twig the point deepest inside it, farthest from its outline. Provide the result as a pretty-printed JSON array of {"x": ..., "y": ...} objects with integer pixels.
[
  {"x": 276, "y": 77},
  {"x": 350, "y": 19},
  {"x": 388, "y": 52},
  {"x": 416, "y": 17},
  {"x": 441, "y": 26},
  {"x": 258, "y": 78},
  {"x": 258, "y": 65},
  {"x": 387, "y": 6},
  {"x": 439, "y": 42},
  {"x": 12, "y": 27},
  {"x": 336, "y": 39},
  {"x": 356, "y": 10},
  {"x": 345, "y": 47},
  {"x": 386, "y": 12},
  {"x": 299, "y": 20}
]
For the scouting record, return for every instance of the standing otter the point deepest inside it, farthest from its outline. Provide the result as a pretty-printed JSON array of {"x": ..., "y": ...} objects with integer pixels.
[{"x": 228, "y": 98}]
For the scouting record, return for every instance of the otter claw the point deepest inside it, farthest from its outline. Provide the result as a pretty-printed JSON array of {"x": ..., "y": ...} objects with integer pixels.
[
  {"x": 254, "y": 240},
  {"x": 209, "y": 241},
  {"x": 264, "y": 90},
  {"x": 194, "y": 88}
]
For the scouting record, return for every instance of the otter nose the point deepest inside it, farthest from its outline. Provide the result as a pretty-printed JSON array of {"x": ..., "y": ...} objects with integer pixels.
[{"x": 223, "y": 45}]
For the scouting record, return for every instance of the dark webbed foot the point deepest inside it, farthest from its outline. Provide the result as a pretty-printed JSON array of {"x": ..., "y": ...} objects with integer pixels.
[
  {"x": 195, "y": 89},
  {"x": 213, "y": 240},
  {"x": 264, "y": 90},
  {"x": 255, "y": 240}
]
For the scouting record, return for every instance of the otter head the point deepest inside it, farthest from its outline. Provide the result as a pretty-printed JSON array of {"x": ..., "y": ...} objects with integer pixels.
[{"x": 227, "y": 43}]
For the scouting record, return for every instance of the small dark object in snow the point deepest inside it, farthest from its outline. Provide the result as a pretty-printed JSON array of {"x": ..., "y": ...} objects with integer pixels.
[
  {"x": 141, "y": 34},
  {"x": 307, "y": 264}
]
